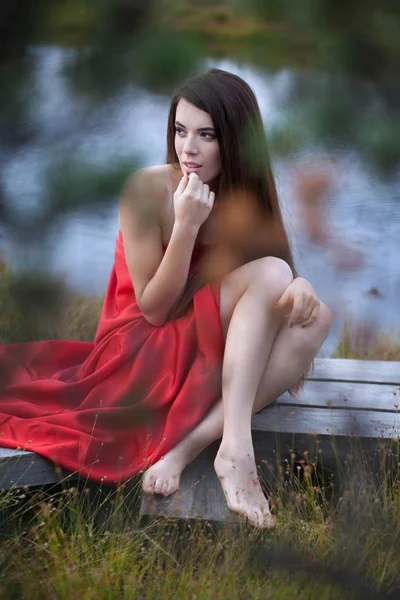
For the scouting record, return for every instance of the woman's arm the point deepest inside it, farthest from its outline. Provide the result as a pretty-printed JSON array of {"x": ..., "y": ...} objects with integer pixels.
[{"x": 158, "y": 279}]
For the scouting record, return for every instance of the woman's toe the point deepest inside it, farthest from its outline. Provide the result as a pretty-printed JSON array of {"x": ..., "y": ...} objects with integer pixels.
[
  {"x": 148, "y": 485},
  {"x": 164, "y": 489},
  {"x": 254, "y": 518},
  {"x": 158, "y": 485},
  {"x": 269, "y": 521}
]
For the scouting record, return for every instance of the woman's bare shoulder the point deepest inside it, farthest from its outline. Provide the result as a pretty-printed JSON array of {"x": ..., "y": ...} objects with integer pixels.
[
  {"x": 148, "y": 192},
  {"x": 155, "y": 181}
]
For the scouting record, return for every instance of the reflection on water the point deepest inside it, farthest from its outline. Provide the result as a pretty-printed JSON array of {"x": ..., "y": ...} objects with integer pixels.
[{"x": 363, "y": 213}]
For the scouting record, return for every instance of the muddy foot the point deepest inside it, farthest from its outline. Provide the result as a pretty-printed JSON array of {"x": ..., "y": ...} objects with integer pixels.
[{"x": 239, "y": 480}]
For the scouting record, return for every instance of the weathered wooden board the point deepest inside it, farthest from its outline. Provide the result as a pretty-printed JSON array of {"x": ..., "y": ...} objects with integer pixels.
[
  {"x": 200, "y": 496},
  {"x": 327, "y": 421},
  {"x": 19, "y": 468},
  {"x": 345, "y": 369},
  {"x": 345, "y": 395}
]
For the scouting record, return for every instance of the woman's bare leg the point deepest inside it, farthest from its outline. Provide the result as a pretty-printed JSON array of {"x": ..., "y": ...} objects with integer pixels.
[
  {"x": 291, "y": 354},
  {"x": 252, "y": 330},
  {"x": 287, "y": 355}
]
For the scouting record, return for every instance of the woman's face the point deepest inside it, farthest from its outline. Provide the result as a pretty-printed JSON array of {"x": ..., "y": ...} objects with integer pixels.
[{"x": 196, "y": 143}]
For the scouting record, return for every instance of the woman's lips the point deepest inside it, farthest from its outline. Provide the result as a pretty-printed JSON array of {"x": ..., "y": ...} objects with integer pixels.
[{"x": 191, "y": 168}]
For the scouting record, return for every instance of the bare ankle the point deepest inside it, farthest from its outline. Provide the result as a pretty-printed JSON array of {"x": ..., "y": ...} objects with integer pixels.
[
  {"x": 185, "y": 454},
  {"x": 230, "y": 448}
]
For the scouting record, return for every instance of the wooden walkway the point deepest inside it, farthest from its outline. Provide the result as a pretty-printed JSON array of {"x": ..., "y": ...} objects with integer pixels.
[{"x": 342, "y": 400}]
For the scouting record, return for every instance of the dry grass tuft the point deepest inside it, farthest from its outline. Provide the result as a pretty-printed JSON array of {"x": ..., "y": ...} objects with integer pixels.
[
  {"x": 48, "y": 311},
  {"x": 357, "y": 341}
]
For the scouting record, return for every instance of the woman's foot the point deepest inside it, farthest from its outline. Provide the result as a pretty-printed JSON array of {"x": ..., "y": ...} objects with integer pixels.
[
  {"x": 164, "y": 476},
  {"x": 239, "y": 480}
]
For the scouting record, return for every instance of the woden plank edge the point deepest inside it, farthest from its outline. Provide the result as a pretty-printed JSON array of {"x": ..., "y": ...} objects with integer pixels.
[{"x": 357, "y": 371}]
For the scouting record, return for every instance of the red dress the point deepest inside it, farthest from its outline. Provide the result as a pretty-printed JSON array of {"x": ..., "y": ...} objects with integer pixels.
[{"x": 112, "y": 407}]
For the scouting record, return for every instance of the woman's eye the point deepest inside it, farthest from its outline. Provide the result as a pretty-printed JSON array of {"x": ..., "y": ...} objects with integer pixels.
[{"x": 205, "y": 135}]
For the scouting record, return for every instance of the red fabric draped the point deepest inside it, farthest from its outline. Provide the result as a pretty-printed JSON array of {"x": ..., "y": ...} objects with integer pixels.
[{"x": 109, "y": 408}]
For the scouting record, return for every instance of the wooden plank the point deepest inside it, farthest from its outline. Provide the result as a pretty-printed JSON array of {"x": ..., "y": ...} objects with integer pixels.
[
  {"x": 345, "y": 369},
  {"x": 6, "y": 453},
  {"x": 289, "y": 419},
  {"x": 326, "y": 450},
  {"x": 345, "y": 395},
  {"x": 200, "y": 496},
  {"x": 20, "y": 468}
]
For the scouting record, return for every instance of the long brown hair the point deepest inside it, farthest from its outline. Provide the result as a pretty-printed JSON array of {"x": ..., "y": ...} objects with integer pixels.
[{"x": 245, "y": 186}]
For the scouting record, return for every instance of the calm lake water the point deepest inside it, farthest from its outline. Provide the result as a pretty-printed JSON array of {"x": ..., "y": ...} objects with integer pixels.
[{"x": 363, "y": 213}]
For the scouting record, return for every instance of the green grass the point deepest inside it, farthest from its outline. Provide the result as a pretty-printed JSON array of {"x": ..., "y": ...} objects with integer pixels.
[
  {"x": 65, "y": 544},
  {"x": 334, "y": 532}
]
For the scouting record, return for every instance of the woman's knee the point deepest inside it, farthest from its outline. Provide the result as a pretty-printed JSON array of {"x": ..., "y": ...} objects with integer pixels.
[
  {"x": 267, "y": 276},
  {"x": 271, "y": 277}
]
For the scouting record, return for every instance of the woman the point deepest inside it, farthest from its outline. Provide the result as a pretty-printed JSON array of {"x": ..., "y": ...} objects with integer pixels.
[
  {"x": 196, "y": 308},
  {"x": 264, "y": 355}
]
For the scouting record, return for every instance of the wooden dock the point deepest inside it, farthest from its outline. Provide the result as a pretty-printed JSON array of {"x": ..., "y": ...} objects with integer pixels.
[{"x": 343, "y": 401}]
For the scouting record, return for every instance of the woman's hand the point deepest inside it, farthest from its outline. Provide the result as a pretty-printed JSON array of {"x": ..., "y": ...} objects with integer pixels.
[
  {"x": 300, "y": 302},
  {"x": 193, "y": 201}
]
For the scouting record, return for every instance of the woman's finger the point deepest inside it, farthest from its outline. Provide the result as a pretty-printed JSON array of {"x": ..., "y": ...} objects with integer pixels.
[
  {"x": 193, "y": 183},
  {"x": 206, "y": 191},
  {"x": 313, "y": 317},
  {"x": 182, "y": 184},
  {"x": 307, "y": 309},
  {"x": 307, "y": 312},
  {"x": 296, "y": 311},
  {"x": 211, "y": 199}
]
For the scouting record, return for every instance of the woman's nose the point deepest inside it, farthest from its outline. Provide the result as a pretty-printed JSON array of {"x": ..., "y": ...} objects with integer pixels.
[{"x": 190, "y": 146}]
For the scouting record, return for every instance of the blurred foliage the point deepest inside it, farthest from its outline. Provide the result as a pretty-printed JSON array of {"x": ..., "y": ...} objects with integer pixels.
[
  {"x": 350, "y": 93},
  {"x": 95, "y": 185},
  {"x": 33, "y": 308}
]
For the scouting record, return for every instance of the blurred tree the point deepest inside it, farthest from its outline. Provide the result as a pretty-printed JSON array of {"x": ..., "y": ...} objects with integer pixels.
[{"x": 350, "y": 89}]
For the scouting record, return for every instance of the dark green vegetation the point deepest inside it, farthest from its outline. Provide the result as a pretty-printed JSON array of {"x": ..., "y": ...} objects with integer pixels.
[{"x": 336, "y": 537}]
